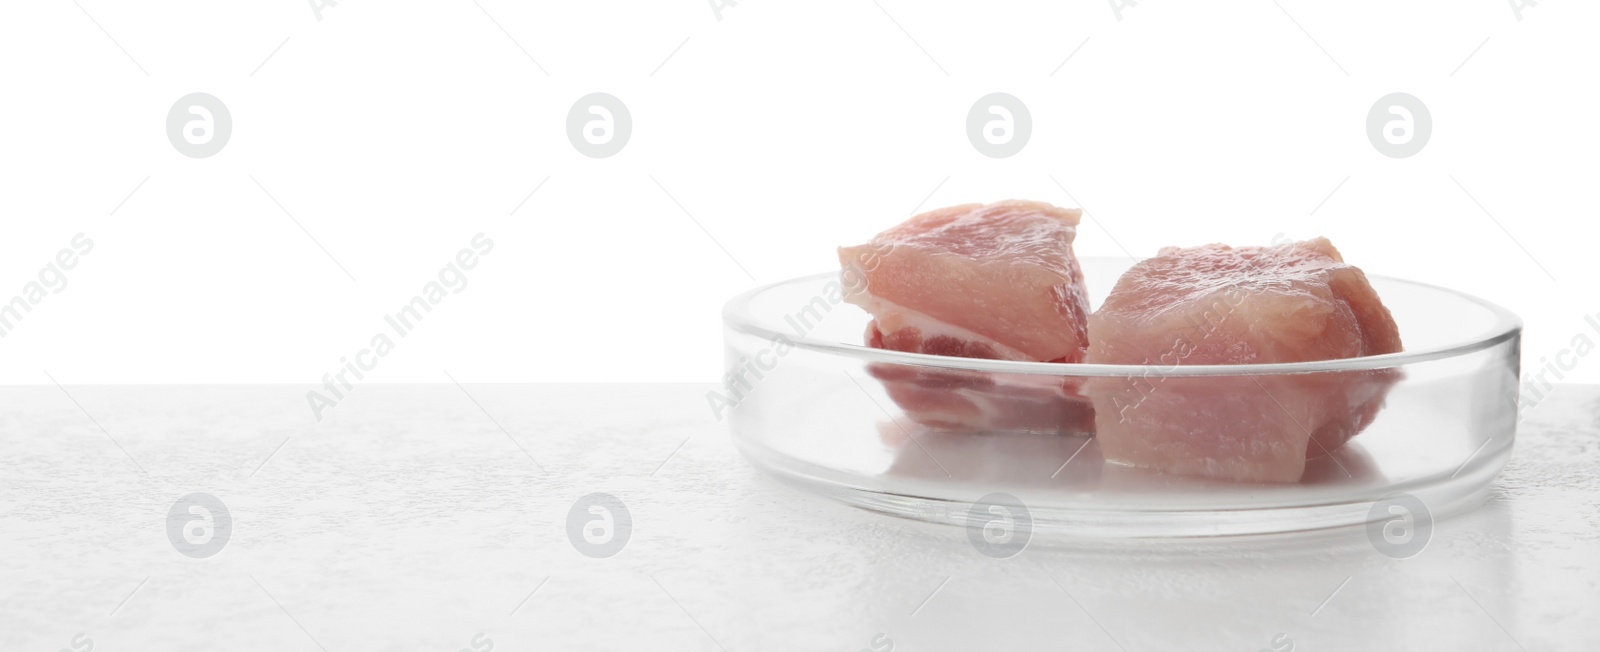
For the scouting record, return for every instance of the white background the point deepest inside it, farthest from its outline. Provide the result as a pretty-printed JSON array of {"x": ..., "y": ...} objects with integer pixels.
[{"x": 394, "y": 131}]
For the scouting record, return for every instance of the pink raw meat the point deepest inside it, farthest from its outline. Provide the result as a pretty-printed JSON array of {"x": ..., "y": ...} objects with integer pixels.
[
  {"x": 958, "y": 399},
  {"x": 977, "y": 281},
  {"x": 995, "y": 281},
  {"x": 1218, "y": 305}
]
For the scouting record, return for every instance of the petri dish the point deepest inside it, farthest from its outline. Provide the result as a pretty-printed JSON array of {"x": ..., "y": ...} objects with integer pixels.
[{"x": 809, "y": 404}]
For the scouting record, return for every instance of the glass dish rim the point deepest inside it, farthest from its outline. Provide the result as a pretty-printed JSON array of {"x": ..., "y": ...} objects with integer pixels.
[{"x": 736, "y": 314}]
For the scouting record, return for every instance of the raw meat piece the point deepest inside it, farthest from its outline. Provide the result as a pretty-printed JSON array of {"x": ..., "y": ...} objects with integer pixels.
[
  {"x": 958, "y": 399},
  {"x": 977, "y": 281},
  {"x": 995, "y": 281},
  {"x": 1218, "y": 305}
]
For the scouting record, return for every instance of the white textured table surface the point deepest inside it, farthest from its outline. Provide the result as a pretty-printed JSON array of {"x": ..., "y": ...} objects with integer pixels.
[{"x": 407, "y": 520}]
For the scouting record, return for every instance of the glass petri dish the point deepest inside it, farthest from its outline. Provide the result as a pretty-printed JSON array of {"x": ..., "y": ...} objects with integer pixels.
[{"x": 812, "y": 406}]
